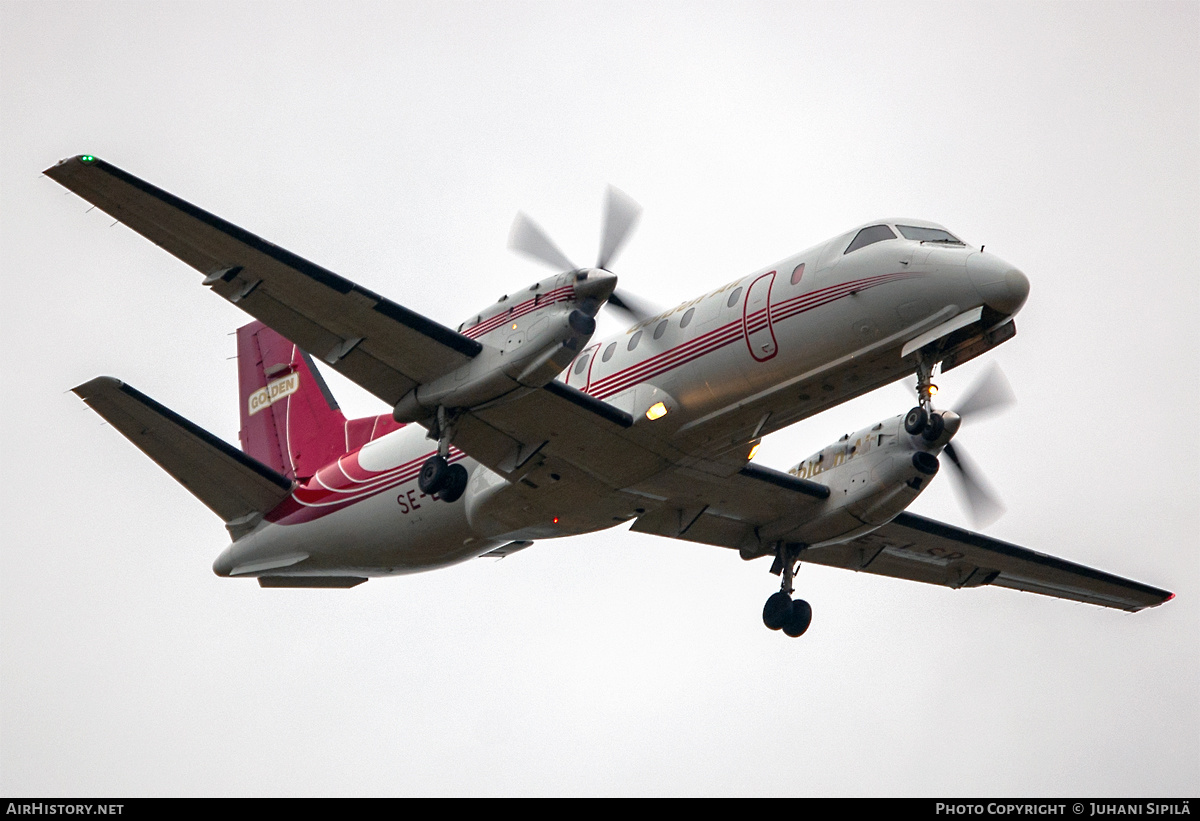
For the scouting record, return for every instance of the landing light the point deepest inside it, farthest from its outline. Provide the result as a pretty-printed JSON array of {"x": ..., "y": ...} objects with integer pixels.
[
  {"x": 657, "y": 411},
  {"x": 753, "y": 451}
]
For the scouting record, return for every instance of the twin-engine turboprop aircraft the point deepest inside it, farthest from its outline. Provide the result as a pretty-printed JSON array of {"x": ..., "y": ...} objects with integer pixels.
[{"x": 517, "y": 425}]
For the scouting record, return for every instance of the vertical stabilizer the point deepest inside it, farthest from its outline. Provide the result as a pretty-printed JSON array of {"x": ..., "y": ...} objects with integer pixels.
[{"x": 290, "y": 420}]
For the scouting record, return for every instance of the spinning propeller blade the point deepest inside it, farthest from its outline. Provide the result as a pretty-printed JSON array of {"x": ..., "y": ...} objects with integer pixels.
[
  {"x": 528, "y": 238},
  {"x": 633, "y": 307},
  {"x": 990, "y": 394},
  {"x": 981, "y": 503},
  {"x": 620, "y": 216}
]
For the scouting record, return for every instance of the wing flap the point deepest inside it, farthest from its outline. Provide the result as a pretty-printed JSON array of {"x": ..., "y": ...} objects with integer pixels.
[
  {"x": 745, "y": 511},
  {"x": 230, "y": 483},
  {"x": 379, "y": 344}
]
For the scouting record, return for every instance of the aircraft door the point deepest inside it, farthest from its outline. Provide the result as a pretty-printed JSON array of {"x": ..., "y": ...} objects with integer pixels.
[{"x": 756, "y": 319}]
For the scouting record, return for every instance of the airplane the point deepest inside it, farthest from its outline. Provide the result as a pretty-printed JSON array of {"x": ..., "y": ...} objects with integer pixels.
[{"x": 517, "y": 426}]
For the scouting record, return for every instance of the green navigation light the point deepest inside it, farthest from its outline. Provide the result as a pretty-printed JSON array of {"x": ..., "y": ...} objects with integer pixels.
[{"x": 87, "y": 158}]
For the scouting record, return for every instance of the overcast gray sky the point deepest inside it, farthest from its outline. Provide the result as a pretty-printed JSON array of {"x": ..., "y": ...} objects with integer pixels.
[{"x": 393, "y": 143}]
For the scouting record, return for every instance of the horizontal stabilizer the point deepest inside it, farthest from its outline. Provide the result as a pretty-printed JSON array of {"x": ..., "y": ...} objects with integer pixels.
[{"x": 230, "y": 483}]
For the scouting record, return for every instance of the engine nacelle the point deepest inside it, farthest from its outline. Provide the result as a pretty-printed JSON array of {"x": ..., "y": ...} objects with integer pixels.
[
  {"x": 872, "y": 475},
  {"x": 527, "y": 340}
]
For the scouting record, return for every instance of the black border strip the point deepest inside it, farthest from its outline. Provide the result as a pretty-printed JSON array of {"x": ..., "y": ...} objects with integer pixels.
[
  {"x": 946, "y": 531},
  {"x": 786, "y": 481},
  {"x": 436, "y": 331},
  {"x": 320, "y": 380},
  {"x": 590, "y": 403}
]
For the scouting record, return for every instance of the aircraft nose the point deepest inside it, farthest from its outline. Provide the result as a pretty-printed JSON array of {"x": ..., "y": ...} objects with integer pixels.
[{"x": 1003, "y": 287}]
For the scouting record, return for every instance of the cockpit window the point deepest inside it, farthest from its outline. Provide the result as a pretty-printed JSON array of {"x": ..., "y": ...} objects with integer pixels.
[
  {"x": 869, "y": 236},
  {"x": 929, "y": 234}
]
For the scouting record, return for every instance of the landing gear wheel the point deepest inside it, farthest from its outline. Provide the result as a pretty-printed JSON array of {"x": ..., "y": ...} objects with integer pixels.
[
  {"x": 454, "y": 483},
  {"x": 934, "y": 429},
  {"x": 777, "y": 610},
  {"x": 433, "y": 475},
  {"x": 916, "y": 420},
  {"x": 798, "y": 619}
]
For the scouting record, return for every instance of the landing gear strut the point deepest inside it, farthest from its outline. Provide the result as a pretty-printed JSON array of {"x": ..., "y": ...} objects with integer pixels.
[
  {"x": 781, "y": 612},
  {"x": 437, "y": 474},
  {"x": 923, "y": 420}
]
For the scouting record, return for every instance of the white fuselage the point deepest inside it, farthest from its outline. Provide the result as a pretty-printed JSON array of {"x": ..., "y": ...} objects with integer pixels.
[{"x": 750, "y": 357}]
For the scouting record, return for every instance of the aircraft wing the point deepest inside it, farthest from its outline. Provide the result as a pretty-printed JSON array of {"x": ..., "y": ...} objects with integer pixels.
[
  {"x": 382, "y": 346},
  {"x": 913, "y": 547},
  {"x": 554, "y": 436},
  {"x": 747, "y": 511},
  {"x": 909, "y": 547}
]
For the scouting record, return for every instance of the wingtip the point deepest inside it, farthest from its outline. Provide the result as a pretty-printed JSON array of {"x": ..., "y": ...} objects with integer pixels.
[
  {"x": 67, "y": 163},
  {"x": 94, "y": 386}
]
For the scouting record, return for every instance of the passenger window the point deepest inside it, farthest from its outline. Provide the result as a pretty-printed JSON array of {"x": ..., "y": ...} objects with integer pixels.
[
  {"x": 797, "y": 274},
  {"x": 733, "y": 298},
  {"x": 608, "y": 352},
  {"x": 869, "y": 236},
  {"x": 687, "y": 318},
  {"x": 581, "y": 364},
  {"x": 660, "y": 329},
  {"x": 634, "y": 340}
]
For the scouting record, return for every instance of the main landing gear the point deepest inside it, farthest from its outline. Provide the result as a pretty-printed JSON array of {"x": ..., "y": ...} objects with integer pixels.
[
  {"x": 780, "y": 611},
  {"x": 437, "y": 474},
  {"x": 446, "y": 480}
]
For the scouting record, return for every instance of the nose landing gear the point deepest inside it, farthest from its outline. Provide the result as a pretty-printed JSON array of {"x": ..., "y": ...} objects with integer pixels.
[
  {"x": 923, "y": 420},
  {"x": 781, "y": 612}
]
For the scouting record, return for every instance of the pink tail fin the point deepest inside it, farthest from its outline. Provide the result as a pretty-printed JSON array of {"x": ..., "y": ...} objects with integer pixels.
[{"x": 290, "y": 420}]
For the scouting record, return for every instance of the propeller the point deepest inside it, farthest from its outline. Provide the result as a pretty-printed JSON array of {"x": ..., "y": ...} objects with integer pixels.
[
  {"x": 980, "y": 500},
  {"x": 528, "y": 238},
  {"x": 987, "y": 396},
  {"x": 620, "y": 217}
]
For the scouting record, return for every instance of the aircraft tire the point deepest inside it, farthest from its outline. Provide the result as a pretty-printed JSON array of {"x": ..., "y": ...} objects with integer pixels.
[
  {"x": 915, "y": 421},
  {"x": 433, "y": 475},
  {"x": 454, "y": 484},
  {"x": 799, "y": 619},
  {"x": 777, "y": 610}
]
